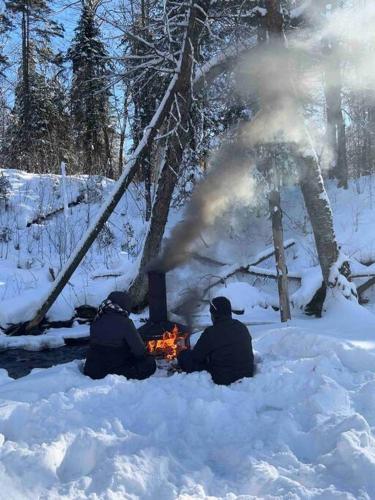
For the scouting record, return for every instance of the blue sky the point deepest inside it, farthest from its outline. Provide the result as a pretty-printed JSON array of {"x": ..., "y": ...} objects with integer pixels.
[{"x": 67, "y": 13}]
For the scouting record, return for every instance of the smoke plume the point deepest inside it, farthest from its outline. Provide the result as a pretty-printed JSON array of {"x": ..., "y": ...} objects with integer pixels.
[
  {"x": 229, "y": 181},
  {"x": 289, "y": 78}
]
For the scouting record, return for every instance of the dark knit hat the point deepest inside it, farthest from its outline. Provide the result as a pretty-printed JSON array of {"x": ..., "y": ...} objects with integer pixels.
[
  {"x": 220, "y": 307},
  {"x": 122, "y": 299}
]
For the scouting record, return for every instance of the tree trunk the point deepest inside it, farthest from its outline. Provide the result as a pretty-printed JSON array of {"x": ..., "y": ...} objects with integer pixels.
[
  {"x": 175, "y": 147},
  {"x": 178, "y": 85},
  {"x": 123, "y": 132},
  {"x": 320, "y": 214},
  {"x": 159, "y": 217},
  {"x": 108, "y": 154},
  {"x": 148, "y": 186},
  {"x": 336, "y": 133},
  {"x": 312, "y": 185},
  {"x": 26, "y": 79},
  {"x": 281, "y": 268},
  {"x": 274, "y": 20}
]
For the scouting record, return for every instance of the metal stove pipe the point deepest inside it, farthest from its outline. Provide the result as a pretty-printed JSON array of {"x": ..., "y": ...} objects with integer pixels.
[{"x": 157, "y": 297}]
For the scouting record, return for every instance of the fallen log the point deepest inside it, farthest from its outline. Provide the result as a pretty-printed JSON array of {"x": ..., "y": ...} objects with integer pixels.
[
  {"x": 269, "y": 252},
  {"x": 42, "y": 218},
  {"x": 207, "y": 260},
  {"x": 250, "y": 269},
  {"x": 365, "y": 286},
  {"x": 254, "y": 270},
  {"x": 269, "y": 273}
]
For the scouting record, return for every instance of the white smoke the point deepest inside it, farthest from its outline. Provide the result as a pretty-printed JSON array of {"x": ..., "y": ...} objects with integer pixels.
[
  {"x": 288, "y": 77},
  {"x": 228, "y": 182}
]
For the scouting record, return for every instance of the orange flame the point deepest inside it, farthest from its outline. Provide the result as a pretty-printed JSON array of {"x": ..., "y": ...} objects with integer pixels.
[{"x": 169, "y": 346}]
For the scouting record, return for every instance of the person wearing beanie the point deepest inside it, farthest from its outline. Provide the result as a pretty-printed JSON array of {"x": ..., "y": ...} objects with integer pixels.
[
  {"x": 115, "y": 344},
  {"x": 224, "y": 349}
]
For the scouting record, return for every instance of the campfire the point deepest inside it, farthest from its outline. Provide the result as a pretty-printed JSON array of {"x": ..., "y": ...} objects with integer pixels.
[
  {"x": 163, "y": 338},
  {"x": 169, "y": 345}
]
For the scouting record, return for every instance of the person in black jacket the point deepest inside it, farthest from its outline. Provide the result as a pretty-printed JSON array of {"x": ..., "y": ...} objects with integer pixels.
[
  {"x": 224, "y": 349},
  {"x": 115, "y": 344}
]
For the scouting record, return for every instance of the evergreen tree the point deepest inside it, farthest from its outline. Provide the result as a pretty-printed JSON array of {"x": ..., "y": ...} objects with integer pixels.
[
  {"x": 4, "y": 28},
  {"x": 36, "y": 131},
  {"x": 90, "y": 95},
  {"x": 30, "y": 143}
]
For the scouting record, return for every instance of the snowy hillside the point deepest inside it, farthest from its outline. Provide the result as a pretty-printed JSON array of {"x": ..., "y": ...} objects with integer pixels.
[{"x": 37, "y": 236}]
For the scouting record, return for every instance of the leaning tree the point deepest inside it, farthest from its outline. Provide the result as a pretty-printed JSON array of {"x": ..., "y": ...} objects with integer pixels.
[{"x": 192, "y": 16}]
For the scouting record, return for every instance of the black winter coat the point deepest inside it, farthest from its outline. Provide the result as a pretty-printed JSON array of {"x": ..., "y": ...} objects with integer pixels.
[
  {"x": 224, "y": 350},
  {"x": 116, "y": 347}
]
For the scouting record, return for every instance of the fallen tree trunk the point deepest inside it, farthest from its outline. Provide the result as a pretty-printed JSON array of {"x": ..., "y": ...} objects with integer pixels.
[
  {"x": 365, "y": 286},
  {"x": 42, "y": 218},
  {"x": 252, "y": 269},
  {"x": 192, "y": 297},
  {"x": 270, "y": 251},
  {"x": 194, "y": 15}
]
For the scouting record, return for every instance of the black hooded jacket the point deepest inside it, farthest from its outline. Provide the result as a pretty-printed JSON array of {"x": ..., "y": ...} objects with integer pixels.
[
  {"x": 115, "y": 344},
  {"x": 224, "y": 350}
]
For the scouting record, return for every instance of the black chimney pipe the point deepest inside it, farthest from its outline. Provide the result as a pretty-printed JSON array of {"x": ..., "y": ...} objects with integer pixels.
[
  {"x": 157, "y": 297},
  {"x": 157, "y": 323}
]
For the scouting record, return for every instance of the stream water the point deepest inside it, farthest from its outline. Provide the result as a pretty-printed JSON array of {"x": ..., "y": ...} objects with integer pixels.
[{"x": 19, "y": 362}]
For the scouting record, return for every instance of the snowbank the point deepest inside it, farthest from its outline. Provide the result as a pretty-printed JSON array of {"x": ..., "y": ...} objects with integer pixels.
[
  {"x": 49, "y": 340},
  {"x": 300, "y": 429},
  {"x": 243, "y": 296}
]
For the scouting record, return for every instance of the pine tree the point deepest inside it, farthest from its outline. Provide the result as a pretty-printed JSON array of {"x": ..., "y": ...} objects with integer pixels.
[
  {"x": 30, "y": 144},
  {"x": 5, "y": 25},
  {"x": 4, "y": 28},
  {"x": 90, "y": 95}
]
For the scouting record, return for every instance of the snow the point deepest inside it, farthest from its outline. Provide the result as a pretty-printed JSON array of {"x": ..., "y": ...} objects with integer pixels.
[
  {"x": 301, "y": 428},
  {"x": 34, "y": 249},
  {"x": 311, "y": 280},
  {"x": 52, "y": 338},
  {"x": 243, "y": 296}
]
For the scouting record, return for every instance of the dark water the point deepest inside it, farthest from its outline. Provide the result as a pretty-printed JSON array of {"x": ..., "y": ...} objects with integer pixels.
[{"x": 19, "y": 362}]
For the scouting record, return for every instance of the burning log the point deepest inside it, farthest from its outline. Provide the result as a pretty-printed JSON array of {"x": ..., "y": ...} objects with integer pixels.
[
  {"x": 161, "y": 335},
  {"x": 169, "y": 346}
]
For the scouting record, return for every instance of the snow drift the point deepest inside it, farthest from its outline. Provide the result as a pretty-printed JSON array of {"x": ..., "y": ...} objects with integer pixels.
[{"x": 302, "y": 428}]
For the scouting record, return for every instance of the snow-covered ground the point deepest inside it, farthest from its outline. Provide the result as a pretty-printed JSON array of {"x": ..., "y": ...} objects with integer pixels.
[{"x": 301, "y": 428}]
